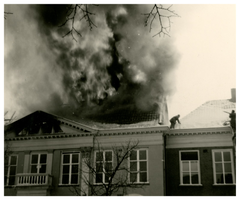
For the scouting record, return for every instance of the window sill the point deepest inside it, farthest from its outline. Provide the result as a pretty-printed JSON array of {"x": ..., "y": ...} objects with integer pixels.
[
  {"x": 233, "y": 184},
  {"x": 9, "y": 186},
  {"x": 146, "y": 183},
  {"x": 192, "y": 185},
  {"x": 67, "y": 185}
]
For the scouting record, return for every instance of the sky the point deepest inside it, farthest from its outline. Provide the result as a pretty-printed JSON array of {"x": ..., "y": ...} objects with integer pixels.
[{"x": 203, "y": 47}]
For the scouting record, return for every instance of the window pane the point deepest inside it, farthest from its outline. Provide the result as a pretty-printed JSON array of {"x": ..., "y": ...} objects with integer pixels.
[
  {"x": 133, "y": 166},
  {"x": 185, "y": 166},
  {"x": 133, "y": 177},
  {"x": 65, "y": 179},
  {"x": 219, "y": 178},
  {"x": 74, "y": 168},
  {"x": 11, "y": 180},
  {"x": 99, "y": 167},
  {"x": 12, "y": 170},
  {"x": 143, "y": 177},
  {"x": 99, "y": 178},
  {"x": 186, "y": 178},
  {"x": 194, "y": 166},
  {"x": 13, "y": 160},
  {"x": 219, "y": 167},
  {"x": 107, "y": 177},
  {"x": 218, "y": 156},
  {"x": 5, "y": 180},
  {"x": 34, "y": 159},
  {"x": 66, "y": 158},
  {"x": 65, "y": 169},
  {"x": 189, "y": 156},
  {"x": 133, "y": 155},
  {"x": 194, "y": 178},
  {"x": 228, "y": 178},
  {"x": 143, "y": 166},
  {"x": 33, "y": 168},
  {"x": 99, "y": 156},
  {"x": 108, "y": 156},
  {"x": 142, "y": 154},
  {"x": 226, "y": 156},
  {"x": 43, "y": 169},
  {"x": 227, "y": 167},
  {"x": 108, "y": 167},
  {"x": 75, "y": 158},
  {"x": 43, "y": 158},
  {"x": 74, "y": 179}
]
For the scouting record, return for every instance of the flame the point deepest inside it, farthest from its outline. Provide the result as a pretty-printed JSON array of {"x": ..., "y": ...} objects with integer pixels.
[{"x": 116, "y": 64}]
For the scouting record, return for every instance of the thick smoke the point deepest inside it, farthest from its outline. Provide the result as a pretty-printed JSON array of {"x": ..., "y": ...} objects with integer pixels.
[{"x": 116, "y": 66}]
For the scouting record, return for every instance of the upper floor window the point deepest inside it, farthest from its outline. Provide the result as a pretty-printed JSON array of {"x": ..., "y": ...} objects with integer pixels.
[
  {"x": 10, "y": 170},
  {"x": 139, "y": 166},
  {"x": 189, "y": 168},
  {"x": 70, "y": 167},
  {"x": 38, "y": 163},
  {"x": 104, "y": 166},
  {"x": 223, "y": 168}
]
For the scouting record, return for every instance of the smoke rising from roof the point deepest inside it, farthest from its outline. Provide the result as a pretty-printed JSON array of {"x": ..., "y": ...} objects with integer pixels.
[{"x": 118, "y": 65}]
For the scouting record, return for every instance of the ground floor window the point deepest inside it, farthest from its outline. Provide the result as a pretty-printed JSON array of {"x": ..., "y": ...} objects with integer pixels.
[
  {"x": 70, "y": 167},
  {"x": 189, "y": 168},
  {"x": 139, "y": 166},
  {"x": 10, "y": 170},
  {"x": 223, "y": 167},
  {"x": 103, "y": 166}
]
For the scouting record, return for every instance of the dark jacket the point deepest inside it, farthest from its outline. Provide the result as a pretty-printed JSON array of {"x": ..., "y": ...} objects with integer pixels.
[{"x": 174, "y": 119}]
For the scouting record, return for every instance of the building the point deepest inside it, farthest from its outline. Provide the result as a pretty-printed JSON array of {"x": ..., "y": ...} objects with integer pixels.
[
  {"x": 45, "y": 156},
  {"x": 200, "y": 162},
  {"x": 200, "y": 153}
]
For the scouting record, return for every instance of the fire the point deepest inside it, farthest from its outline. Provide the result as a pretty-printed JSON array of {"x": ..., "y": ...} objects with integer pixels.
[{"x": 116, "y": 64}]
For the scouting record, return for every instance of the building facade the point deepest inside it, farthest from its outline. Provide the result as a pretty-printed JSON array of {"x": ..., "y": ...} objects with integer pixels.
[
  {"x": 200, "y": 162},
  {"x": 49, "y": 155},
  {"x": 46, "y": 154}
]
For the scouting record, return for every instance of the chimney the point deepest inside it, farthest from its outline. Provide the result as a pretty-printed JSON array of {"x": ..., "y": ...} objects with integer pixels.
[{"x": 233, "y": 93}]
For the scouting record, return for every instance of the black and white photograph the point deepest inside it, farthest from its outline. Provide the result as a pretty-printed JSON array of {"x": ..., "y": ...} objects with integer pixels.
[{"x": 119, "y": 99}]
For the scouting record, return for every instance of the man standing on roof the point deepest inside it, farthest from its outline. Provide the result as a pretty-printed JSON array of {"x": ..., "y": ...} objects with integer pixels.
[
  {"x": 173, "y": 121},
  {"x": 232, "y": 116}
]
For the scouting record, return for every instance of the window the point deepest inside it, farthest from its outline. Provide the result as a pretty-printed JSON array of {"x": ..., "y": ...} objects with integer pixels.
[
  {"x": 10, "y": 170},
  {"x": 223, "y": 168},
  {"x": 139, "y": 166},
  {"x": 189, "y": 168},
  {"x": 104, "y": 165},
  {"x": 38, "y": 163},
  {"x": 70, "y": 168}
]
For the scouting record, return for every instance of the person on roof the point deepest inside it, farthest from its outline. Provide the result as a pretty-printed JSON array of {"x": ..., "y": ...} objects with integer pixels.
[
  {"x": 232, "y": 116},
  {"x": 173, "y": 121}
]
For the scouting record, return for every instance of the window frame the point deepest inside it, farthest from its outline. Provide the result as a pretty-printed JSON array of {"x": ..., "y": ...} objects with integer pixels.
[
  {"x": 138, "y": 167},
  {"x": 38, "y": 162},
  {"x": 223, "y": 171},
  {"x": 189, "y": 171},
  {"x": 104, "y": 161},
  {"x": 8, "y": 170},
  {"x": 70, "y": 168}
]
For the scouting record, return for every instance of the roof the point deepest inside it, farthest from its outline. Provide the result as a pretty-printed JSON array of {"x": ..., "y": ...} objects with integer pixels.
[
  {"x": 210, "y": 114},
  {"x": 42, "y": 125}
]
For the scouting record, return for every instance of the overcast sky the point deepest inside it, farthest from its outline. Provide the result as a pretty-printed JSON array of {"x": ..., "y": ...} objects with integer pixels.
[{"x": 205, "y": 38}]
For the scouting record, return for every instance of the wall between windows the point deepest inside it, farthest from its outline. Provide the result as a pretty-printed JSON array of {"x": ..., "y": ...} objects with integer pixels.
[{"x": 173, "y": 187}]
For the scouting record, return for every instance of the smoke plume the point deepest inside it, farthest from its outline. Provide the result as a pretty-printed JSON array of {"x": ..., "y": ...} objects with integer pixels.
[{"x": 116, "y": 66}]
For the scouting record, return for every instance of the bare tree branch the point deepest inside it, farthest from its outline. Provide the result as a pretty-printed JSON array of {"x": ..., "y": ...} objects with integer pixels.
[
  {"x": 160, "y": 13},
  {"x": 116, "y": 177},
  {"x": 72, "y": 13}
]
